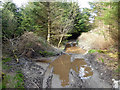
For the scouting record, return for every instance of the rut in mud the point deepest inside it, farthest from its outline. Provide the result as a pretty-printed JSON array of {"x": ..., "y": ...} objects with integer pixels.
[{"x": 69, "y": 70}]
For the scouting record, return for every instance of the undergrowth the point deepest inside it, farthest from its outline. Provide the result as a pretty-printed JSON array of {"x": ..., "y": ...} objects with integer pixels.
[
  {"x": 118, "y": 69},
  {"x": 14, "y": 79},
  {"x": 107, "y": 52},
  {"x": 99, "y": 51},
  {"x": 46, "y": 53}
]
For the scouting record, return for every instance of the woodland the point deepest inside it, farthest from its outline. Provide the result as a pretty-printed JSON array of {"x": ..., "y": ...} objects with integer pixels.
[{"x": 43, "y": 29}]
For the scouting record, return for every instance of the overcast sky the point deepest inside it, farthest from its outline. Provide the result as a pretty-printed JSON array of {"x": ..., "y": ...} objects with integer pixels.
[{"x": 82, "y": 3}]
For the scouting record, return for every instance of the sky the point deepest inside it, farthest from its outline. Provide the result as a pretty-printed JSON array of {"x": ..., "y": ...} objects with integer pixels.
[
  {"x": 20, "y": 2},
  {"x": 82, "y": 3}
]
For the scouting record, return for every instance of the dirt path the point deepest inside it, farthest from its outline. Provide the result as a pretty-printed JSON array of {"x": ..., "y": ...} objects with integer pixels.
[
  {"x": 75, "y": 81},
  {"x": 75, "y": 68},
  {"x": 66, "y": 71}
]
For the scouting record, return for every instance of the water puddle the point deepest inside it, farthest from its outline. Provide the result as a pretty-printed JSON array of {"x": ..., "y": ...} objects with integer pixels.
[
  {"x": 62, "y": 65},
  {"x": 75, "y": 49}
]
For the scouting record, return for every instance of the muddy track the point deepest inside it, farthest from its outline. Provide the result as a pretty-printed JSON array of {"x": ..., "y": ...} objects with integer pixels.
[{"x": 39, "y": 75}]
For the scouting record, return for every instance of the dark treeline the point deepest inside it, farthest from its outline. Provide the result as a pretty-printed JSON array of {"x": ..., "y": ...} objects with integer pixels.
[{"x": 55, "y": 21}]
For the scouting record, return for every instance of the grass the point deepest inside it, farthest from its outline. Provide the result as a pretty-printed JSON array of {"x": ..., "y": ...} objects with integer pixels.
[
  {"x": 112, "y": 55},
  {"x": 101, "y": 59},
  {"x": 99, "y": 51},
  {"x": 0, "y": 85},
  {"x": 13, "y": 81},
  {"x": 118, "y": 69},
  {"x": 8, "y": 59},
  {"x": 77, "y": 41},
  {"x": 6, "y": 67},
  {"x": 92, "y": 51}
]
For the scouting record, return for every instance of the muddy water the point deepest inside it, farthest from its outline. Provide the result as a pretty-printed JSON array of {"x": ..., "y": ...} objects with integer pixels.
[
  {"x": 62, "y": 65},
  {"x": 43, "y": 60},
  {"x": 75, "y": 50}
]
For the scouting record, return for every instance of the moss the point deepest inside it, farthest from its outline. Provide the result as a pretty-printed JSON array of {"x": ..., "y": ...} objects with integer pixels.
[
  {"x": 99, "y": 51},
  {"x": 46, "y": 53}
]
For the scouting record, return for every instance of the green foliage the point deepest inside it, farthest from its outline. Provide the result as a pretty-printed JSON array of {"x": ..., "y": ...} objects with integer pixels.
[
  {"x": 38, "y": 17},
  {"x": 111, "y": 14},
  {"x": 58, "y": 17},
  {"x": 101, "y": 59},
  {"x": 5, "y": 67},
  {"x": 77, "y": 41},
  {"x": 61, "y": 18},
  {"x": 10, "y": 20},
  {"x": 46, "y": 53},
  {"x": 99, "y": 51},
  {"x": 7, "y": 59},
  {"x": 118, "y": 69},
  {"x": 13, "y": 81},
  {"x": 63, "y": 23},
  {"x": 107, "y": 13},
  {"x": 92, "y": 51},
  {"x": 0, "y": 85},
  {"x": 30, "y": 20},
  {"x": 81, "y": 22}
]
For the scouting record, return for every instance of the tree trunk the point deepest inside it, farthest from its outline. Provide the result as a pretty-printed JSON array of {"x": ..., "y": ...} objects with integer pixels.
[
  {"x": 60, "y": 40},
  {"x": 48, "y": 36}
]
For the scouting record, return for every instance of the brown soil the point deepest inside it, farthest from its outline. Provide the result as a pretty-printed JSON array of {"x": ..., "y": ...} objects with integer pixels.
[{"x": 75, "y": 50}]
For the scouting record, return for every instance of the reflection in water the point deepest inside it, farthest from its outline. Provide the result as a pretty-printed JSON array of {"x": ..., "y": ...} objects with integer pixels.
[
  {"x": 62, "y": 67},
  {"x": 75, "y": 50},
  {"x": 63, "y": 64}
]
